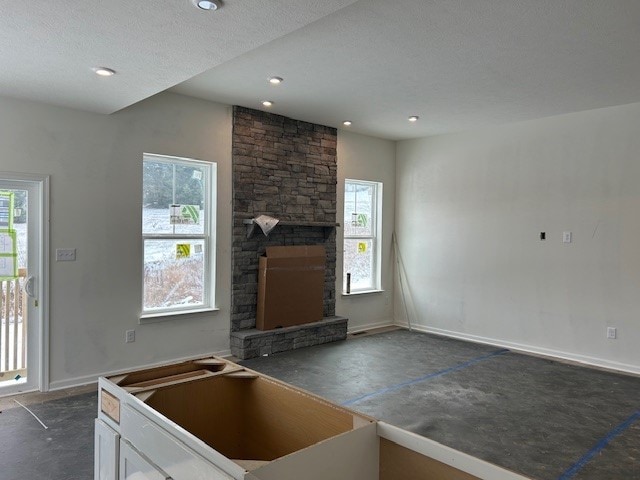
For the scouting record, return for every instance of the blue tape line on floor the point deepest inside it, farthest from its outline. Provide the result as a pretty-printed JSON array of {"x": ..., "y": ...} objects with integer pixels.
[
  {"x": 440, "y": 373},
  {"x": 586, "y": 458}
]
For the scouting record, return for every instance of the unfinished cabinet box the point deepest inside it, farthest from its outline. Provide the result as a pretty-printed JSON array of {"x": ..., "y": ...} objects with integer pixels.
[
  {"x": 211, "y": 419},
  {"x": 290, "y": 286}
]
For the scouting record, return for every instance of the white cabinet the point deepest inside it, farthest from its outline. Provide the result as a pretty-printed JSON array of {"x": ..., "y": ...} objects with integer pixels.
[
  {"x": 210, "y": 419},
  {"x": 164, "y": 450},
  {"x": 106, "y": 447},
  {"x": 133, "y": 466}
]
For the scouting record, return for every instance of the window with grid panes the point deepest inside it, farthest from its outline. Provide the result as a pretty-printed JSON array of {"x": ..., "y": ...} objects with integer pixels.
[
  {"x": 362, "y": 226},
  {"x": 178, "y": 221}
]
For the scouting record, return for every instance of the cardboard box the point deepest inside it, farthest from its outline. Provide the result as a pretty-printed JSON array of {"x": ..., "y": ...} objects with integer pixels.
[{"x": 290, "y": 286}]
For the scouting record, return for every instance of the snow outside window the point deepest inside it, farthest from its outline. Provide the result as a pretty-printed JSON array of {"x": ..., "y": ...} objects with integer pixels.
[
  {"x": 362, "y": 227},
  {"x": 178, "y": 218}
]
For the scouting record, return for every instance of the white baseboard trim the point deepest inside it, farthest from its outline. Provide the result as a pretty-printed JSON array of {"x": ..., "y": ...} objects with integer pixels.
[
  {"x": 371, "y": 326},
  {"x": 540, "y": 351},
  {"x": 88, "y": 379}
]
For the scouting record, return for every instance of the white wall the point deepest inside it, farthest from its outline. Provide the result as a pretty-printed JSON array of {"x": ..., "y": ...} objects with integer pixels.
[
  {"x": 95, "y": 163},
  {"x": 367, "y": 158},
  {"x": 469, "y": 211}
]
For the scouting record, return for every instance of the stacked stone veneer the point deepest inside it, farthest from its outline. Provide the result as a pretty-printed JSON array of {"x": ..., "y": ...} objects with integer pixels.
[
  {"x": 253, "y": 343},
  {"x": 286, "y": 169}
]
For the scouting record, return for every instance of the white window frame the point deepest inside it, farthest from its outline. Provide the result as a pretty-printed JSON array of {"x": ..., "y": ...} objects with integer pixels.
[
  {"x": 207, "y": 236},
  {"x": 375, "y": 237}
]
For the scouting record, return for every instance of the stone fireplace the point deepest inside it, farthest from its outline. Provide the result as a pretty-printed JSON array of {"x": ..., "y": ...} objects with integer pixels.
[{"x": 286, "y": 169}]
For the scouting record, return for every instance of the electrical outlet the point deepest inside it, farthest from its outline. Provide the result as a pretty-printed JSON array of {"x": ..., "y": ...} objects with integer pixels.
[
  {"x": 130, "y": 336},
  {"x": 566, "y": 237},
  {"x": 612, "y": 333},
  {"x": 65, "y": 255}
]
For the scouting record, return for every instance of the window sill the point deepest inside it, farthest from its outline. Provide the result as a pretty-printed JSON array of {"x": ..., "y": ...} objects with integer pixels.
[
  {"x": 162, "y": 316},
  {"x": 361, "y": 292}
]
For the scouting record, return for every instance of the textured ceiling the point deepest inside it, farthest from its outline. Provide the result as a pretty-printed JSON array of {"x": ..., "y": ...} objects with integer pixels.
[
  {"x": 458, "y": 64},
  {"x": 47, "y": 48}
]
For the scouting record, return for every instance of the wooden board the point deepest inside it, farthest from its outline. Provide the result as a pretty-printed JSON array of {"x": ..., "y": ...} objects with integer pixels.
[
  {"x": 169, "y": 379},
  {"x": 241, "y": 374},
  {"x": 213, "y": 364},
  {"x": 110, "y": 405},
  {"x": 188, "y": 377}
]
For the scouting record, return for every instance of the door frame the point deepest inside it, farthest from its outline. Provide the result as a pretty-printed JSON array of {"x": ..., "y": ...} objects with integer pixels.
[{"x": 42, "y": 182}]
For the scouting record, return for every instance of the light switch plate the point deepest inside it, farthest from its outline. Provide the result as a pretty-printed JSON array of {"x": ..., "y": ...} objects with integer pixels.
[{"x": 566, "y": 237}]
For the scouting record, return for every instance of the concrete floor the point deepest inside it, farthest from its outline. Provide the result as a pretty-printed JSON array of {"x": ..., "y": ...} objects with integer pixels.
[
  {"x": 63, "y": 451},
  {"x": 540, "y": 418},
  {"x": 543, "y": 419}
]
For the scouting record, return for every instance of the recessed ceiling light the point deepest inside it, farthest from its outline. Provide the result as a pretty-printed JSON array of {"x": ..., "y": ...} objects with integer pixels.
[
  {"x": 206, "y": 5},
  {"x": 414, "y": 118},
  {"x": 104, "y": 71},
  {"x": 346, "y": 123},
  {"x": 267, "y": 103},
  {"x": 275, "y": 80}
]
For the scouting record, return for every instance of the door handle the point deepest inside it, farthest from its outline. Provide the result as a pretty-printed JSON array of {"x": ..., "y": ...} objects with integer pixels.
[{"x": 30, "y": 286}]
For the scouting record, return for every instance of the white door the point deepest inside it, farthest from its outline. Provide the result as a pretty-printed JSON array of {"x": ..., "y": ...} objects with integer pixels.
[{"x": 23, "y": 267}]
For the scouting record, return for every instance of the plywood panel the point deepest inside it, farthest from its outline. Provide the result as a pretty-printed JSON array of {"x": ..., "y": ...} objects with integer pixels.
[
  {"x": 110, "y": 405},
  {"x": 213, "y": 364},
  {"x": 281, "y": 420},
  {"x": 397, "y": 462},
  {"x": 249, "y": 418},
  {"x": 211, "y": 409}
]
